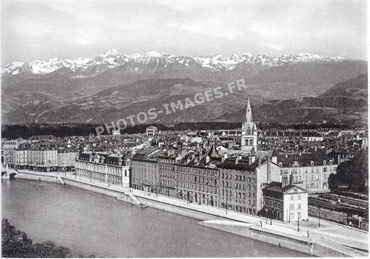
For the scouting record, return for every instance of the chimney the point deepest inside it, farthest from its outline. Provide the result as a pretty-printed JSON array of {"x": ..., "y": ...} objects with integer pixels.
[
  {"x": 224, "y": 157},
  {"x": 188, "y": 160},
  {"x": 274, "y": 159},
  {"x": 268, "y": 169},
  {"x": 252, "y": 159}
]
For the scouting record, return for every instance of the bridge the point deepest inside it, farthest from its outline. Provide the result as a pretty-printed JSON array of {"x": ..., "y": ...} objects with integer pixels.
[{"x": 8, "y": 173}]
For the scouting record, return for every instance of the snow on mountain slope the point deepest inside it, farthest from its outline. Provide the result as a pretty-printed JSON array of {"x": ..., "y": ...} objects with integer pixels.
[{"x": 113, "y": 58}]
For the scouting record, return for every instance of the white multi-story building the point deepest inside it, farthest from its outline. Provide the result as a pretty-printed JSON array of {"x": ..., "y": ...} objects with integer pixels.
[
  {"x": 43, "y": 158},
  {"x": 101, "y": 167},
  {"x": 309, "y": 170},
  {"x": 151, "y": 131},
  {"x": 9, "y": 156},
  {"x": 21, "y": 158},
  {"x": 12, "y": 144},
  {"x": 287, "y": 203}
]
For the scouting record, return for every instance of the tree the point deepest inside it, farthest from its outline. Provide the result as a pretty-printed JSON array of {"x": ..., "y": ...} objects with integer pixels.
[{"x": 353, "y": 174}]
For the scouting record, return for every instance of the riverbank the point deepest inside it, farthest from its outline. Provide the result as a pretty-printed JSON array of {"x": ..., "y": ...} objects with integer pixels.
[
  {"x": 16, "y": 244},
  {"x": 279, "y": 233}
]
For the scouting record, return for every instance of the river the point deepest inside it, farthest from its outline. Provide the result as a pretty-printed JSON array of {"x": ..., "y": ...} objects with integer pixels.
[{"x": 90, "y": 223}]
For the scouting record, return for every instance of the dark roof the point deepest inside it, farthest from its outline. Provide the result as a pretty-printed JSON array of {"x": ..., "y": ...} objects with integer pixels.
[
  {"x": 304, "y": 158},
  {"x": 276, "y": 187},
  {"x": 213, "y": 153}
]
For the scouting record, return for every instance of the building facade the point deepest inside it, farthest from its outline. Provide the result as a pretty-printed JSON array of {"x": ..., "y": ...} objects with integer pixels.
[
  {"x": 309, "y": 170},
  {"x": 288, "y": 203},
  {"x": 144, "y": 173},
  {"x": 238, "y": 190},
  {"x": 21, "y": 159},
  {"x": 103, "y": 168},
  {"x": 9, "y": 156},
  {"x": 67, "y": 160},
  {"x": 44, "y": 160},
  {"x": 151, "y": 131}
]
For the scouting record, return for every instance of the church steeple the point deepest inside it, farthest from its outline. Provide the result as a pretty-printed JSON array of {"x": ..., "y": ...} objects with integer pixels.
[
  {"x": 248, "y": 113},
  {"x": 249, "y": 131}
]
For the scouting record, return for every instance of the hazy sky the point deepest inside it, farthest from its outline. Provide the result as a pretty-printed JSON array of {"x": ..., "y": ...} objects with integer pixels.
[{"x": 36, "y": 29}]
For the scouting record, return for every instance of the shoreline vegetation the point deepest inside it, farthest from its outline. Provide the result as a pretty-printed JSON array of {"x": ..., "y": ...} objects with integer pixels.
[{"x": 16, "y": 244}]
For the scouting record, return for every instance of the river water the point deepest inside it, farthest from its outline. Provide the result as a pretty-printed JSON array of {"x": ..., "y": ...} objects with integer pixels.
[{"x": 90, "y": 223}]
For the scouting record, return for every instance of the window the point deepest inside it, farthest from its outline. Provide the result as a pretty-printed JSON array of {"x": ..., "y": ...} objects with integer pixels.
[
  {"x": 291, "y": 206},
  {"x": 292, "y": 197},
  {"x": 299, "y": 197},
  {"x": 299, "y": 206}
]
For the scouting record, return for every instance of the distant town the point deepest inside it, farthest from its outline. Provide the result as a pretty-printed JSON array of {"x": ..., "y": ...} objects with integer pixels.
[{"x": 285, "y": 175}]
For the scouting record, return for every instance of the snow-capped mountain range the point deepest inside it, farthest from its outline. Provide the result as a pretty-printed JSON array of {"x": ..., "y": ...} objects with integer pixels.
[
  {"x": 82, "y": 67},
  {"x": 112, "y": 86}
]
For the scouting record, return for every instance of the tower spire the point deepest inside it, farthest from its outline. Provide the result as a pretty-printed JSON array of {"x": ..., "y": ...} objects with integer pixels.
[
  {"x": 248, "y": 112},
  {"x": 249, "y": 131}
]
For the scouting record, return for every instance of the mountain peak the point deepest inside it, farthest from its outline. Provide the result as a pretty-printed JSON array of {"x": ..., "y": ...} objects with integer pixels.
[
  {"x": 154, "y": 54},
  {"x": 112, "y": 58},
  {"x": 112, "y": 52}
]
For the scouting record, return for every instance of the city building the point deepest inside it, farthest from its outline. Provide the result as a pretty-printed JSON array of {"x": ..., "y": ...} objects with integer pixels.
[
  {"x": 101, "y": 167},
  {"x": 249, "y": 132},
  {"x": 42, "y": 160},
  {"x": 145, "y": 171},
  {"x": 314, "y": 137},
  {"x": 286, "y": 203},
  {"x": 66, "y": 160},
  {"x": 151, "y": 131},
  {"x": 43, "y": 138},
  {"x": 190, "y": 182},
  {"x": 116, "y": 133},
  {"x": 9, "y": 157},
  {"x": 12, "y": 144},
  {"x": 242, "y": 180},
  {"x": 238, "y": 185},
  {"x": 21, "y": 158},
  {"x": 308, "y": 170}
]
